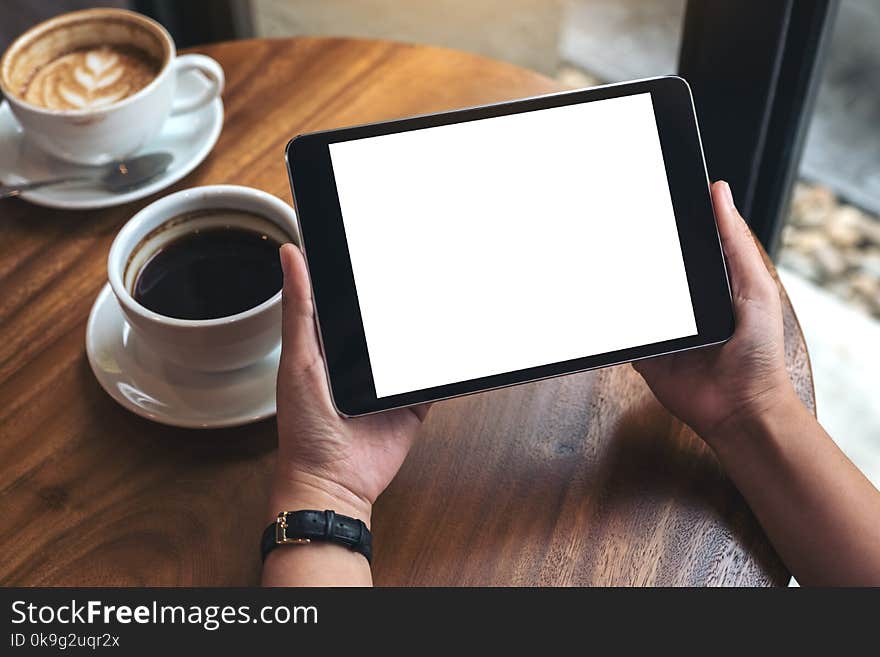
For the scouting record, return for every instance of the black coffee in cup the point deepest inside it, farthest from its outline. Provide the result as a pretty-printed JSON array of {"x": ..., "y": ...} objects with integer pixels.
[{"x": 211, "y": 270}]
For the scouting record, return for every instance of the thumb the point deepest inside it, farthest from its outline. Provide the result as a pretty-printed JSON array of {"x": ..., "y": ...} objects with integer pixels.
[
  {"x": 748, "y": 273},
  {"x": 298, "y": 339}
]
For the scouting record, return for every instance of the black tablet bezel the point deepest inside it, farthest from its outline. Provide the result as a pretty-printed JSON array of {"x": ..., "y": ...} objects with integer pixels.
[{"x": 322, "y": 235}]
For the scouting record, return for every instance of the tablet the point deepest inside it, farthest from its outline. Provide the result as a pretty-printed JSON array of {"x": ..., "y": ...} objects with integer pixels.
[{"x": 485, "y": 247}]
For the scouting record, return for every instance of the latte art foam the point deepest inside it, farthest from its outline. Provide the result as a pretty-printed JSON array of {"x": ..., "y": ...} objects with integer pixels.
[{"x": 90, "y": 79}]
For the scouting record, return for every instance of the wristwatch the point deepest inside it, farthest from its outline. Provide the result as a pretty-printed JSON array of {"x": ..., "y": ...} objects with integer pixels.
[{"x": 299, "y": 527}]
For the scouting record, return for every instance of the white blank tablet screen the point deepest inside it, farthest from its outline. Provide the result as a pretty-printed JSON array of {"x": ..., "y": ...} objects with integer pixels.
[{"x": 505, "y": 243}]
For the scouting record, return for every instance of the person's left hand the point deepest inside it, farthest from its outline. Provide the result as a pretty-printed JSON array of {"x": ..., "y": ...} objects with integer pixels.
[{"x": 326, "y": 461}]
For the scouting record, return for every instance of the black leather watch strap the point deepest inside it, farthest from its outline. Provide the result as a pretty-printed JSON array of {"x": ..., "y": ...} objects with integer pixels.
[{"x": 298, "y": 527}]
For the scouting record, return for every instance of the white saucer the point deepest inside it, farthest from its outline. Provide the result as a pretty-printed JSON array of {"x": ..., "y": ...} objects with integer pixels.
[
  {"x": 145, "y": 384},
  {"x": 188, "y": 137}
]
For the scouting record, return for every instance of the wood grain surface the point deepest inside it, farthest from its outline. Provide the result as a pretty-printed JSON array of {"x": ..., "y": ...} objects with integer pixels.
[{"x": 578, "y": 480}]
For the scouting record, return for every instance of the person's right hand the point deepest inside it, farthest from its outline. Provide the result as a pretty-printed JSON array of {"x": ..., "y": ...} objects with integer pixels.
[{"x": 708, "y": 388}]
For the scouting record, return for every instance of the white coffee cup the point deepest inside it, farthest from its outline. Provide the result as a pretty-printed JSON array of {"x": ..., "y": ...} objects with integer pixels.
[
  {"x": 211, "y": 345},
  {"x": 111, "y": 132}
]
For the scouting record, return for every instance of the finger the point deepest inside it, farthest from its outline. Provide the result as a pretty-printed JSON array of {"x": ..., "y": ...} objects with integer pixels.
[
  {"x": 648, "y": 367},
  {"x": 421, "y": 410},
  {"x": 748, "y": 273},
  {"x": 300, "y": 344}
]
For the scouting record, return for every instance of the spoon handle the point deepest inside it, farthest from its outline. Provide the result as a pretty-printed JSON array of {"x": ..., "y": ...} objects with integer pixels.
[{"x": 7, "y": 191}]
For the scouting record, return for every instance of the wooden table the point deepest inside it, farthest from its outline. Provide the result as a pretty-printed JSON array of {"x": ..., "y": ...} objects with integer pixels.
[{"x": 578, "y": 480}]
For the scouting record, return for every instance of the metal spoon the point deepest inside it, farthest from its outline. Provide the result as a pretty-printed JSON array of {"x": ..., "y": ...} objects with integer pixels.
[{"x": 114, "y": 177}]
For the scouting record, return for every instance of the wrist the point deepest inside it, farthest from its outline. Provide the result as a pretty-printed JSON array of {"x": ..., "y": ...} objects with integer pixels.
[
  {"x": 298, "y": 490},
  {"x": 317, "y": 563},
  {"x": 751, "y": 426}
]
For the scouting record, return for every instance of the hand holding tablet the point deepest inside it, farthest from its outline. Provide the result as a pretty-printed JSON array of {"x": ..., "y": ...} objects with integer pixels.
[
  {"x": 486, "y": 247},
  {"x": 459, "y": 252}
]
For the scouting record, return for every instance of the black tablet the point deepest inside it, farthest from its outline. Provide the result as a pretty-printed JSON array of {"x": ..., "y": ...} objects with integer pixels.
[{"x": 458, "y": 252}]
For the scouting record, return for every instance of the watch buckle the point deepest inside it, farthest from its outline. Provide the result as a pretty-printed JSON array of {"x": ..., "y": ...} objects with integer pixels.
[{"x": 281, "y": 532}]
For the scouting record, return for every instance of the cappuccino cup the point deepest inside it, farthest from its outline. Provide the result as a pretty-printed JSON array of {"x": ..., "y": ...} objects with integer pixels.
[
  {"x": 95, "y": 86},
  {"x": 165, "y": 226}
]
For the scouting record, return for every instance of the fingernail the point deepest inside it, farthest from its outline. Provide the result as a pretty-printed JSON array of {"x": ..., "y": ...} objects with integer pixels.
[
  {"x": 728, "y": 195},
  {"x": 283, "y": 261}
]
